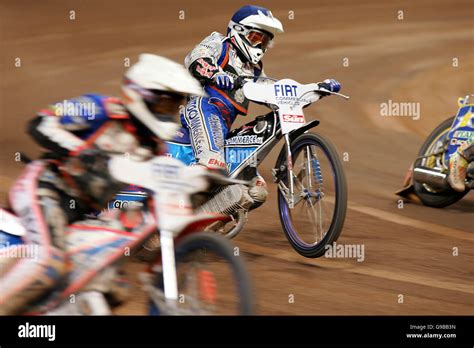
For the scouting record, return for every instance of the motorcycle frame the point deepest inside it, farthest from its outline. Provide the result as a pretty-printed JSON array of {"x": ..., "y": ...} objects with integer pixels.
[{"x": 259, "y": 155}]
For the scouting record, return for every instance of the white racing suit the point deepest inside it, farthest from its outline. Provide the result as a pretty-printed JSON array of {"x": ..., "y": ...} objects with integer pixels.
[
  {"x": 54, "y": 193},
  {"x": 209, "y": 119}
]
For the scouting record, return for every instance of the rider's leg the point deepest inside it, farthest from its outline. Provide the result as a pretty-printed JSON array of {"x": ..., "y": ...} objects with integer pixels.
[
  {"x": 207, "y": 130},
  {"x": 38, "y": 206},
  {"x": 458, "y": 164}
]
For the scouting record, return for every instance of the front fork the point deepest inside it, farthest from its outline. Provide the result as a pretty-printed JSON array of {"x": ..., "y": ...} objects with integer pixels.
[
  {"x": 165, "y": 299},
  {"x": 288, "y": 191},
  {"x": 169, "y": 274},
  {"x": 169, "y": 267},
  {"x": 311, "y": 174}
]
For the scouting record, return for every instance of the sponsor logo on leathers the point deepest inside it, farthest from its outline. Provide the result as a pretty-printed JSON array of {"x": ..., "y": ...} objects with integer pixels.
[{"x": 244, "y": 140}]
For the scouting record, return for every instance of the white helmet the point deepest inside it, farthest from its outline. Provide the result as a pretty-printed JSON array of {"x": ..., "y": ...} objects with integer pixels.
[
  {"x": 252, "y": 29},
  {"x": 151, "y": 78}
]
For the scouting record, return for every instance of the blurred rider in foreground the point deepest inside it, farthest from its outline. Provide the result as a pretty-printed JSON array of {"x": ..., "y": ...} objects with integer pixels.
[{"x": 79, "y": 134}]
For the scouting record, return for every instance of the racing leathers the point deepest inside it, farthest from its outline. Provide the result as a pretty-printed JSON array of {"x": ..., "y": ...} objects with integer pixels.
[
  {"x": 209, "y": 119},
  {"x": 458, "y": 164},
  {"x": 79, "y": 134}
]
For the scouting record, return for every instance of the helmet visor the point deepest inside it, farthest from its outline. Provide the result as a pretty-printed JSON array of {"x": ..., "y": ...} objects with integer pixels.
[
  {"x": 256, "y": 38},
  {"x": 166, "y": 102}
]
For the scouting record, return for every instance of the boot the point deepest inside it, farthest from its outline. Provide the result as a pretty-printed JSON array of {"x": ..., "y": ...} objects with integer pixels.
[{"x": 457, "y": 171}]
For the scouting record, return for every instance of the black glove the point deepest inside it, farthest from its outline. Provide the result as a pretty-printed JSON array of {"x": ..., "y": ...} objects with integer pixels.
[{"x": 93, "y": 158}]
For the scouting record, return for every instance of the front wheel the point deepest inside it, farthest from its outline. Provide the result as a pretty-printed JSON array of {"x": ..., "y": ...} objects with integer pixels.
[
  {"x": 320, "y": 196},
  {"x": 212, "y": 278}
]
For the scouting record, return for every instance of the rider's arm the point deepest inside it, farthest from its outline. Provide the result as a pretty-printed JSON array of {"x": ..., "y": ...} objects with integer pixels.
[
  {"x": 47, "y": 130},
  {"x": 202, "y": 60},
  {"x": 57, "y": 128}
]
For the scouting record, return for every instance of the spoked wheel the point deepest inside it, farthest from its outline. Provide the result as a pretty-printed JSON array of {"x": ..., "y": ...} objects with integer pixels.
[
  {"x": 320, "y": 196},
  {"x": 212, "y": 279},
  {"x": 435, "y": 145}
]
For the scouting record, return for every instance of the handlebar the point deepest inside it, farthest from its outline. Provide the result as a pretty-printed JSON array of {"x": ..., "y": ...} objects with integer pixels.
[
  {"x": 325, "y": 91},
  {"x": 241, "y": 80}
]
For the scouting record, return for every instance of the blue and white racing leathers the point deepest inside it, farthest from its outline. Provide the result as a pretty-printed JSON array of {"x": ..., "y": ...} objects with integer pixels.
[{"x": 209, "y": 119}]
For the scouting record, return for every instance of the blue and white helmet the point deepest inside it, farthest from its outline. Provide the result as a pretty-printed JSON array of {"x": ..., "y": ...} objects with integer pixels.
[{"x": 252, "y": 29}]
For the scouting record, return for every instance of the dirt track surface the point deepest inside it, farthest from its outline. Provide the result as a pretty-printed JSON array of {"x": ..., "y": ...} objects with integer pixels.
[{"x": 408, "y": 251}]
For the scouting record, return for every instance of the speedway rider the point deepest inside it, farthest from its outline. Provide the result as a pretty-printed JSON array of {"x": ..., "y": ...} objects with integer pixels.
[
  {"x": 218, "y": 62},
  {"x": 75, "y": 180}
]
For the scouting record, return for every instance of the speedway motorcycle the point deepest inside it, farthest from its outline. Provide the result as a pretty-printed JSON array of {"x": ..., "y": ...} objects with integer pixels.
[
  {"x": 426, "y": 179},
  {"x": 312, "y": 193},
  {"x": 201, "y": 275}
]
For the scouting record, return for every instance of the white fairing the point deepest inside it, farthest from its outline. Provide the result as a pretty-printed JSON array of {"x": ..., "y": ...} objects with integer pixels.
[
  {"x": 288, "y": 96},
  {"x": 172, "y": 183},
  {"x": 11, "y": 224},
  {"x": 158, "y": 174}
]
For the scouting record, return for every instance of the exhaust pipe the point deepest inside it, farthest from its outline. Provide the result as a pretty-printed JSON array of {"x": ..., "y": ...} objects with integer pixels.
[{"x": 430, "y": 177}]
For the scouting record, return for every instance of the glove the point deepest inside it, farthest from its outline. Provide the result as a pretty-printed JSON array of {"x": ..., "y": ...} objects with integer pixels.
[
  {"x": 331, "y": 85},
  {"x": 223, "y": 81},
  {"x": 90, "y": 156}
]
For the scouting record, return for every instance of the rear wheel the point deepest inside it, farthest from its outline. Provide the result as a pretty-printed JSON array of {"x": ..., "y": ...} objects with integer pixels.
[
  {"x": 435, "y": 144},
  {"x": 320, "y": 188},
  {"x": 212, "y": 278}
]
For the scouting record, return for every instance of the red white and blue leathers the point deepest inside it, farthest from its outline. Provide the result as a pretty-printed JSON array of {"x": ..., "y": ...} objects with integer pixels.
[
  {"x": 209, "y": 119},
  {"x": 52, "y": 193}
]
